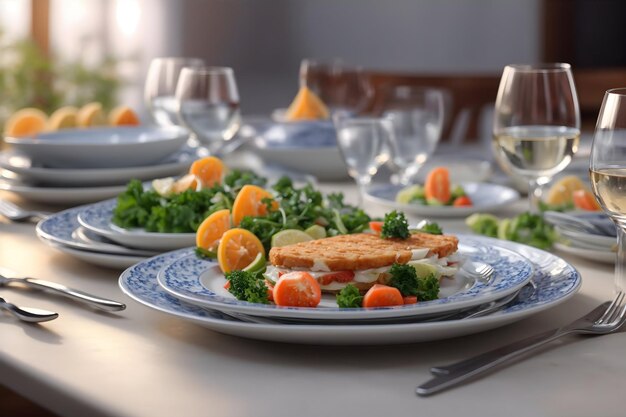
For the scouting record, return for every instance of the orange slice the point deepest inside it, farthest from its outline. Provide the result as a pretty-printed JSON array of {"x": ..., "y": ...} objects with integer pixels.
[
  {"x": 562, "y": 191},
  {"x": 306, "y": 106},
  {"x": 249, "y": 202},
  {"x": 185, "y": 183},
  {"x": 123, "y": 116},
  {"x": 25, "y": 122},
  {"x": 91, "y": 115},
  {"x": 212, "y": 228},
  {"x": 237, "y": 249},
  {"x": 209, "y": 171},
  {"x": 63, "y": 118}
]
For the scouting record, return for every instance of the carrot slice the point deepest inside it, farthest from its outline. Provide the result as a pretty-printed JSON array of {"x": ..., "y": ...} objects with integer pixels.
[
  {"x": 584, "y": 200},
  {"x": 339, "y": 276},
  {"x": 212, "y": 229},
  {"x": 237, "y": 249},
  {"x": 209, "y": 171},
  {"x": 382, "y": 296},
  {"x": 463, "y": 201},
  {"x": 249, "y": 202},
  {"x": 437, "y": 185},
  {"x": 297, "y": 289},
  {"x": 410, "y": 299},
  {"x": 376, "y": 227}
]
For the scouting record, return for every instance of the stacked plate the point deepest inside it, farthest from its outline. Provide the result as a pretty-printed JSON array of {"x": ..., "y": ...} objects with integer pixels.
[
  {"x": 183, "y": 285},
  {"x": 590, "y": 236},
  {"x": 86, "y": 165}
]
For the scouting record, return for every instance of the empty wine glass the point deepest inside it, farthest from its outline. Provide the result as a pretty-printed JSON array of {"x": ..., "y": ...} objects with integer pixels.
[
  {"x": 341, "y": 87},
  {"x": 362, "y": 143},
  {"x": 536, "y": 124},
  {"x": 208, "y": 104},
  {"x": 160, "y": 88},
  {"x": 416, "y": 115},
  {"x": 608, "y": 170}
]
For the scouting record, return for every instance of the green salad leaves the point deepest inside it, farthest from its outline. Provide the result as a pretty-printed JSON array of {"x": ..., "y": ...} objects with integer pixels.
[{"x": 527, "y": 228}]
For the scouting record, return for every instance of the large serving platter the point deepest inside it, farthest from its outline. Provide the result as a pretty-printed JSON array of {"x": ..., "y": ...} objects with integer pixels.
[
  {"x": 200, "y": 281},
  {"x": 556, "y": 282}
]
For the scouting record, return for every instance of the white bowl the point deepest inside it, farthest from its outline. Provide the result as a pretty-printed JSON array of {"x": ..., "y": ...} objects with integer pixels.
[{"x": 101, "y": 147}]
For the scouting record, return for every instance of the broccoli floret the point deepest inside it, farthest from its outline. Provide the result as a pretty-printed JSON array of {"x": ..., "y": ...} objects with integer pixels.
[
  {"x": 247, "y": 286},
  {"x": 395, "y": 225},
  {"x": 405, "y": 279},
  {"x": 349, "y": 297},
  {"x": 428, "y": 288}
]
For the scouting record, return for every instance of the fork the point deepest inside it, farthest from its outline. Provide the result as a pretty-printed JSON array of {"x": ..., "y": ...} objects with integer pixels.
[
  {"x": 17, "y": 214},
  {"x": 606, "y": 318}
]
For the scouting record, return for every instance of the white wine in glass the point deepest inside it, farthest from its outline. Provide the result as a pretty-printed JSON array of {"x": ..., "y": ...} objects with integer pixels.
[
  {"x": 607, "y": 170},
  {"x": 537, "y": 123}
]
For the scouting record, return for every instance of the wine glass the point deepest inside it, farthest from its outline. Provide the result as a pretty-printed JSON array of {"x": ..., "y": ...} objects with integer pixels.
[
  {"x": 536, "y": 123},
  {"x": 362, "y": 143},
  {"x": 340, "y": 86},
  {"x": 416, "y": 115},
  {"x": 207, "y": 102},
  {"x": 608, "y": 170},
  {"x": 160, "y": 88}
]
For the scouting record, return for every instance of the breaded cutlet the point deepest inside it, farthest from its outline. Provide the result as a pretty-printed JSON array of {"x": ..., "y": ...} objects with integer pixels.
[{"x": 359, "y": 251}]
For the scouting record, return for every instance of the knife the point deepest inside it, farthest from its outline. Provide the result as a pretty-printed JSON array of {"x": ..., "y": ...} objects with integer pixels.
[{"x": 53, "y": 287}]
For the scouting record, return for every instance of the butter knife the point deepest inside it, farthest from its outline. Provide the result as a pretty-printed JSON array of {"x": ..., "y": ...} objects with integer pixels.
[{"x": 53, "y": 287}]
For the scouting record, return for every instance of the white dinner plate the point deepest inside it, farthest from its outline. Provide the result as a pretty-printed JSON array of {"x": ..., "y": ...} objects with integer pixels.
[
  {"x": 588, "y": 239},
  {"x": 30, "y": 171},
  {"x": 97, "y": 218},
  {"x": 595, "y": 255},
  {"x": 556, "y": 282},
  {"x": 62, "y": 228},
  {"x": 60, "y": 195},
  {"x": 200, "y": 281},
  {"x": 485, "y": 198},
  {"x": 104, "y": 147},
  {"x": 106, "y": 260}
]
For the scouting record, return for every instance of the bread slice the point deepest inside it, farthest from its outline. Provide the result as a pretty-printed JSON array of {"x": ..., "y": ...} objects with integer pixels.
[{"x": 359, "y": 251}]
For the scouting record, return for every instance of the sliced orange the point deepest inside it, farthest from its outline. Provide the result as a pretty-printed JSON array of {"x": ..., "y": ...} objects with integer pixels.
[
  {"x": 212, "y": 228},
  {"x": 91, "y": 115},
  {"x": 185, "y": 183},
  {"x": 561, "y": 192},
  {"x": 63, "y": 118},
  {"x": 123, "y": 116},
  {"x": 209, "y": 171},
  {"x": 237, "y": 249},
  {"x": 249, "y": 202},
  {"x": 306, "y": 106},
  {"x": 25, "y": 122}
]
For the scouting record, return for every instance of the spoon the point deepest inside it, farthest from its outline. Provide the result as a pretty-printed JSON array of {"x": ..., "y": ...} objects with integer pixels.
[{"x": 28, "y": 314}]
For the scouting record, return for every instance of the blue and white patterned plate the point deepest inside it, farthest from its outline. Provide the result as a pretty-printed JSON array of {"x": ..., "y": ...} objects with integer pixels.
[
  {"x": 97, "y": 218},
  {"x": 556, "y": 282},
  {"x": 200, "y": 281},
  {"x": 486, "y": 198}
]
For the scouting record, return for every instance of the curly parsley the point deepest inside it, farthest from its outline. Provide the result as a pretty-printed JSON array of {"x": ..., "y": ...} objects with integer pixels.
[
  {"x": 247, "y": 286},
  {"x": 395, "y": 225},
  {"x": 349, "y": 297},
  {"x": 405, "y": 279}
]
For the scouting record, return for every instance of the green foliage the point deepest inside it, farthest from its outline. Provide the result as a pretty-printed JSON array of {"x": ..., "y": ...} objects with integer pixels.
[
  {"x": 247, "y": 286},
  {"x": 527, "y": 228},
  {"x": 349, "y": 297},
  {"x": 395, "y": 225},
  {"x": 405, "y": 279},
  {"x": 431, "y": 228}
]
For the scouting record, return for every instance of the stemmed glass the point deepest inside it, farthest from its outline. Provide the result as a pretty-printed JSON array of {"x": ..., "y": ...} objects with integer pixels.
[
  {"x": 207, "y": 102},
  {"x": 341, "y": 87},
  {"x": 160, "y": 87},
  {"x": 536, "y": 124},
  {"x": 416, "y": 115},
  {"x": 362, "y": 142},
  {"x": 608, "y": 170}
]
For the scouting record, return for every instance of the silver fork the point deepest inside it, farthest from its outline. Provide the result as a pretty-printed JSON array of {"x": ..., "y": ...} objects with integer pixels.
[
  {"x": 17, "y": 214},
  {"x": 606, "y": 318},
  {"x": 478, "y": 270}
]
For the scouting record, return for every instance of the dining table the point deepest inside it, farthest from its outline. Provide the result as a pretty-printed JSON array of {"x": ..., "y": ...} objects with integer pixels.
[{"x": 141, "y": 362}]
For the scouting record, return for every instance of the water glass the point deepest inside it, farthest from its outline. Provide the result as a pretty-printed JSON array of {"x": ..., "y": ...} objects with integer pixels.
[
  {"x": 416, "y": 116},
  {"x": 608, "y": 170},
  {"x": 160, "y": 88},
  {"x": 207, "y": 102},
  {"x": 342, "y": 87},
  {"x": 362, "y": 142},
  {"x": 536, "y": 123}
]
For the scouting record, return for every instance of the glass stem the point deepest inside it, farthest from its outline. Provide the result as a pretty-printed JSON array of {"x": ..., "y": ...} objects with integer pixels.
[
  {"x": 620, "y": 261},
  {"x": 534, "y": 195}
]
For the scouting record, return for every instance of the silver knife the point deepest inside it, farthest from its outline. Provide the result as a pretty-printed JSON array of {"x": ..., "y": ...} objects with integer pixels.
[{"x": 53, "y": 287}]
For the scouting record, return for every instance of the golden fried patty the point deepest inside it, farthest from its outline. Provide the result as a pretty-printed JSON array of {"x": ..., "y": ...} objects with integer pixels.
[{"x": 359, "y": 251}]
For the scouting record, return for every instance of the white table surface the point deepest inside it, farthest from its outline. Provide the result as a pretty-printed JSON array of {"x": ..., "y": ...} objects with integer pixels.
[{"x": 145, "y": 363}]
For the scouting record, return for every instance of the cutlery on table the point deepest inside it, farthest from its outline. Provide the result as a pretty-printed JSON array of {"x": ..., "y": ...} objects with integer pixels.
[
  {"x": 606, "y": 318},
  {"x": 6, "y": 279},
  {"x": 18, "y": 214},
  {"x": 28, "y": 314},
  {"x": 596, "y": 227}
]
